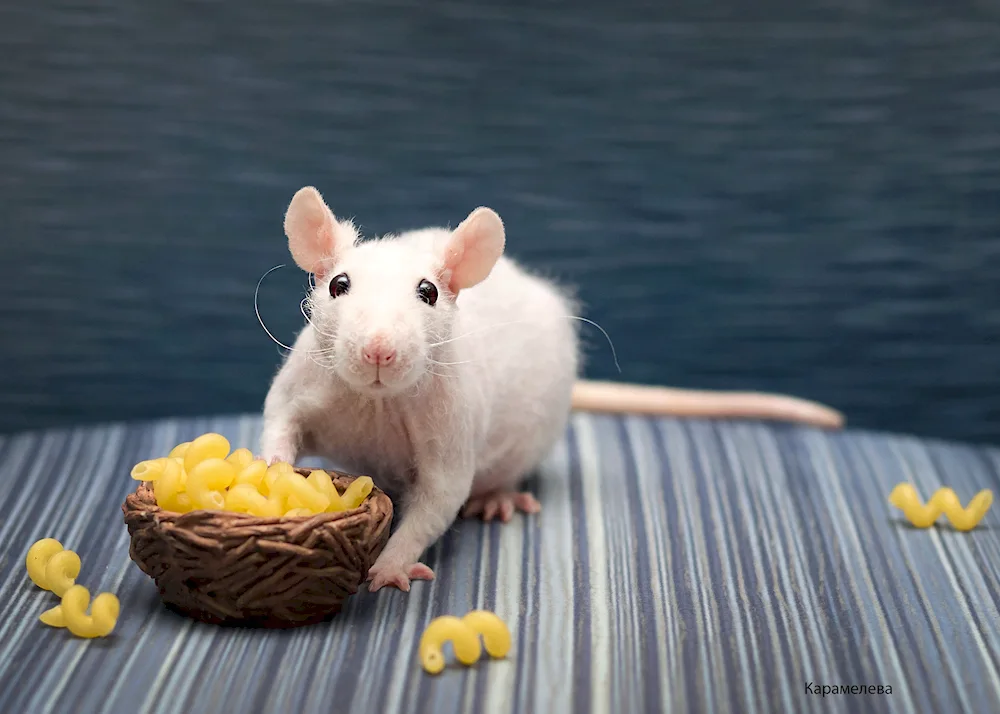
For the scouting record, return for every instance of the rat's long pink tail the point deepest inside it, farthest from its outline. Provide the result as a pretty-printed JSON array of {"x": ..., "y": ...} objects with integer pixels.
[{"x": 619, "y": 397}]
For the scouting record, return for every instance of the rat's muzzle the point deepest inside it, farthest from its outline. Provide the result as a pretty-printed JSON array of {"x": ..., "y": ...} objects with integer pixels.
[
  {"x": 378, "y": 351},
  {"x": 378, "y": 362}
]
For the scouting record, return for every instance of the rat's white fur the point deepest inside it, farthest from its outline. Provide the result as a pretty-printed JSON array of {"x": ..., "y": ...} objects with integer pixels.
[{"x": 480, "y": 388}]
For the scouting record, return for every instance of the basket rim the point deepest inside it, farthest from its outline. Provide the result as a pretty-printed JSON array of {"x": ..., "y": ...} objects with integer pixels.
[{"x": 142, "y": 500}]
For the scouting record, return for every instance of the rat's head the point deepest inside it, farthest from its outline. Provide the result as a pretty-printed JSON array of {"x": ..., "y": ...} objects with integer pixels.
[{"x": 379, "y": 307}]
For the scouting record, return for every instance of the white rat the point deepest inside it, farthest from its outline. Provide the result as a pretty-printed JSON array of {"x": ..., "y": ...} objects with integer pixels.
[{"x": 445, "y": 371}]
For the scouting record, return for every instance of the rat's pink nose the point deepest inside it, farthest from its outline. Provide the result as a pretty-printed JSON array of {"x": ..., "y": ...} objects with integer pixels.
[{"x": 378, "y": 352}]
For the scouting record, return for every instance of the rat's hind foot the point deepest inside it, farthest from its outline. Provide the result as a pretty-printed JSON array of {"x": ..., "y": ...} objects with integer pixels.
[{"x": 502, "y": 503}]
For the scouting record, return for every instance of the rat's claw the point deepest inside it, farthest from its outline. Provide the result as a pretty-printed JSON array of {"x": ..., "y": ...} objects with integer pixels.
[{"x": 397, "y": 576}]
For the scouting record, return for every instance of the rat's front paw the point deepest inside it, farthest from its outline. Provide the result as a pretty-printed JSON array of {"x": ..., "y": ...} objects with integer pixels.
[
  {"x": 397, "y": 575},
  {"x": 274, "y": 449}
]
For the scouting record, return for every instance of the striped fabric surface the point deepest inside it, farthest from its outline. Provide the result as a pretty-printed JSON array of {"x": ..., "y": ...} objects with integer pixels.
[{"x": 676, "y": 566}]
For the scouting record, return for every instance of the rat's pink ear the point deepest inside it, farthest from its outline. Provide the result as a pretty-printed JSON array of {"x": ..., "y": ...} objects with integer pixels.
[
  {"x": 315, "y": 237},
  {"x": 473, "y": 249}
]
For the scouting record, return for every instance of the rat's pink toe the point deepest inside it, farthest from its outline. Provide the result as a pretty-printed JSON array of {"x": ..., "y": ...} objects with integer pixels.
[
  {"x": 419, "y": 571},
  {"x": 490, "y": 509},
  {"x": 527, "y": 503}
]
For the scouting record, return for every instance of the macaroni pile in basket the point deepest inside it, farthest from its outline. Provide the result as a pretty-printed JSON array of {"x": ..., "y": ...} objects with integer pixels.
[{"x": 204, "y": 475}]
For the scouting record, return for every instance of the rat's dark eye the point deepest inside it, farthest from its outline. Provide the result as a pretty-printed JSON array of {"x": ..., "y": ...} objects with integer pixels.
[
  {"x": 427, "y": 292},
  {"x": 340, "y": 285}
]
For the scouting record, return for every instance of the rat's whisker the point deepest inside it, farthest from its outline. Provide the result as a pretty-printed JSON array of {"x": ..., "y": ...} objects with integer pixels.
[
  {"x": 476, "y": 331},
  {"x": 606, "y": 336},
  {"x": 614, "y": 353},
  {"x": 450, "y": 364},
  {"x": 326, "y": 356},
  {"x": 312, "y": 358},
  {"x": 256, "y": 308},
  {"x": 309, "y": 320},
  {"x": 307, "y": 316}
]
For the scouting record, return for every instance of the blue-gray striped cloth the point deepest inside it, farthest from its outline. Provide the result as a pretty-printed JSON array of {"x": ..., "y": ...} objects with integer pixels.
[{"x": 676, "y": 566}]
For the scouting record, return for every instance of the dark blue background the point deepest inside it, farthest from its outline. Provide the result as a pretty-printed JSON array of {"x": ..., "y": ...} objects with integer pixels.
[{"x": 799, "y": 197}]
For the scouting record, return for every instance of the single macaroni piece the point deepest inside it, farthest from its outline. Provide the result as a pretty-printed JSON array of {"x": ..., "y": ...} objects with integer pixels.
[
  {"x": 496, "y": 636},
  {"x": 355, "y": 494},
  {"x": 252, "y": 474},
  {"x": 240, "y": 458},
  {"x": 321, "y": 481},
  {"x": 272, "y": 474},
  {"x": 207, "y": 480},
  {"x": 51, "y": 567},
  {"x": 464, "y": 641},
  {"x": 149, "y": 470},
  {"x": 244, "y": 498},
  {"x": 293, "y": 491},
  {"x": 169, "y": 488},
  {"x": 71, "y": 613},
  {"x": 464, "y": 634},
  {"x": 944, "y": 501},
  {"x": 206, "y": 446}
]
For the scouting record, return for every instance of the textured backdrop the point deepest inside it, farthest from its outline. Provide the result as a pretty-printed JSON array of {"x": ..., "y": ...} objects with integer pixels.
[{"x": 794, "y": 198}]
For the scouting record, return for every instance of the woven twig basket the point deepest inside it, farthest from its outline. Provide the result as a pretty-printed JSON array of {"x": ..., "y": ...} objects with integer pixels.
[{"x": 234, "y": 568}]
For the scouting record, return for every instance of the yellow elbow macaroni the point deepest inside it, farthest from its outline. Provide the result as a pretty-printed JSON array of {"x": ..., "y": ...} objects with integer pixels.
[
  {"x": 204, "y": 474},
  {"x": 464, "y": 634},
  {"x": 71, "y": 613},
  {"x": 321, "y": 481},
  {"x": 244, "y": 498},
  {"x": 150, "y": 470},
  {"x": 170, "y": 488},
  {"x": 207, "y": 481},
  {"x": 240, "y": 458},
  {"x": 357, "y": 492},
  {"x": 252, "y": 474},
  {"x": 206, "y": 446},
  {"x": 51, "y": 567},
  {"x": 945, "y": 502},
  {"x": 292, "y": 485}
]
